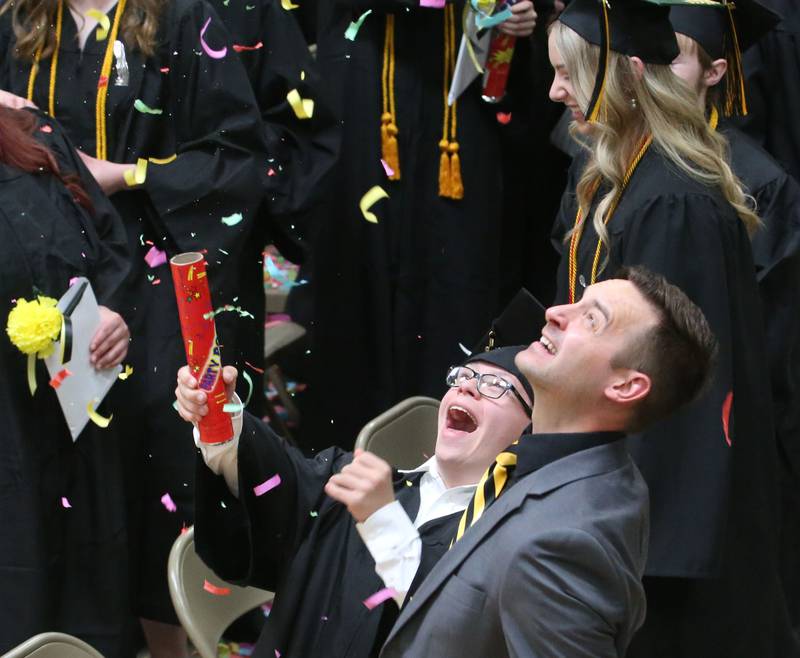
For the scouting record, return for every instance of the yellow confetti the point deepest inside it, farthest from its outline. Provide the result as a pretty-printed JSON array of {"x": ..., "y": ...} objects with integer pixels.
[
  {"x": 95, "y": 417},
  {"x": 302, "y": 75},
  {"x": 287, "y": 5},
  {"x": 126, "y": 373},
  {"x": 104, "y": 24},
  {"x": 138, "y": 175},
  {"x": 303, "y": 107},
  {"x": 371, "y": 197},
  {"x": 163, "y": 161}
]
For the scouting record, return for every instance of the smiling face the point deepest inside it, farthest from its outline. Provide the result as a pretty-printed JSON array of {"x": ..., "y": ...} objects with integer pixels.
[
  {"x": 562, "y": 91},
  {"x": 474, "y": 429},
  {"x": 573, "y": 360}
]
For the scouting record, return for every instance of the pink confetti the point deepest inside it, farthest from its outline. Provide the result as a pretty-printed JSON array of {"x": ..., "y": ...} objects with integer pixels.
[
  {"x": 389, "y": 171},
  {"x": 240, "y": 49},
  {"x": 46, "y": 129},
  {"x": 65, "y": 503},
  {"x": 155, "y": 257},
  {"x": 166, "y": 501},
  {"x": 270, "y": 172},
  {"x": 215, "y": 590},
  {"x": 374, "y": 600},
  {"x": 433, "y": 4},
  {"x": 156, "y": 282},
  {"x": 277, "y": 654},
  {"x": 267, "y": 485},
  {"x": 215, "y": 54},
  {"x": 164, "y": 69},
  {"x": 72, "y": 281}
]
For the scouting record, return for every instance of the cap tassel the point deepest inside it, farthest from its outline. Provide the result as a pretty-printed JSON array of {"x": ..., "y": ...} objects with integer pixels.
[
  {"x": 735, "y": 95},
  {"x": 593, "y": 110},
  {"x": 445, "y": 186},
  {"x": 389, "y": 148},
  {"x": 456, "y": 184}
]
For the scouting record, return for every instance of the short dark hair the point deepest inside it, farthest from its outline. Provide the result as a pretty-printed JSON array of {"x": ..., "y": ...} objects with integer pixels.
[{"x": 678, "y": 353}]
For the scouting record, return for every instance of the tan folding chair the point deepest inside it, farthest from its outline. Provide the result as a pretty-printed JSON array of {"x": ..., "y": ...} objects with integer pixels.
[
  {"x": 53, "y": 645},
  {"x": 405, "y": 435},
  {"x": 203, "y": 614}
]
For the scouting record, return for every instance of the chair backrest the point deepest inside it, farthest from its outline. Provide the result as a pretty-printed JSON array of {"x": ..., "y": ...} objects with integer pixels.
[
  {"x": 204, "y": 614},
  {"x": 405, "y": 435},
  {"x": 53, "y": 645}
]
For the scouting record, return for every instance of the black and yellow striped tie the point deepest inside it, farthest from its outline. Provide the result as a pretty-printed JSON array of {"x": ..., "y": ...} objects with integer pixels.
[{"x": 489, "y": 488}]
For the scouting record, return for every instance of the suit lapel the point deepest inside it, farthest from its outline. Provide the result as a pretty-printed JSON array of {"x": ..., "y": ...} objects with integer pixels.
[{"x": 580, "y": 465}]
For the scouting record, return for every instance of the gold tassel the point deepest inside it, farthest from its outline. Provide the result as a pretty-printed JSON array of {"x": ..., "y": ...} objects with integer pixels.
[
  {"x": 445, "y": 187},
  {"x": 389, "y": 148},
  {"x": 456, "y": 184}
]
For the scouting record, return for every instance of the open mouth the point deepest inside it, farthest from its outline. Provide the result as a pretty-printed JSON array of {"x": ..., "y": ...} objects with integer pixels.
[
  {"x": 547, "y": 344},
  {"x": 461, "y": 420}
]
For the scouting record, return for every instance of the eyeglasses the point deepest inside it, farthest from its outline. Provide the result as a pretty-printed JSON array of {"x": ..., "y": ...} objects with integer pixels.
[{"x": 489, "y": 385}]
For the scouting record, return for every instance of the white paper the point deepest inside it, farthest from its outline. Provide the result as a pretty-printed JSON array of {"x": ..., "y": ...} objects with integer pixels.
[
  {"x": 85, "y": 384},
  {"x": 465, "y": 71}
]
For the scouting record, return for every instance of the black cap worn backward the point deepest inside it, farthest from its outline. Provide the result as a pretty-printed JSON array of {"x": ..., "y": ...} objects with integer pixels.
[
  {"x": 503, "y": 357},
  {"x": 637, "y": 28}
]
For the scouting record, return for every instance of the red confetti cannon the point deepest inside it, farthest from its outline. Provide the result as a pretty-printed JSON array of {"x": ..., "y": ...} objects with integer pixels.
[
  {"x": 498, "y": 65},
  {"x": 200, "y": 340}
]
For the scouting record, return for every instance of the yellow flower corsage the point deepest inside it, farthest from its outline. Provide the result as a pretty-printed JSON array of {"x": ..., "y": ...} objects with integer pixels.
[{"x": 33, "y": 328}]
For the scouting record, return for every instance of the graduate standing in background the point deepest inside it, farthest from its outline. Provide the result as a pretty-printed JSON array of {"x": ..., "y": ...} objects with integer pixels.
[
  {"x": 164, "y": 115},
  {"x": 710, "y": 53},
  {"x": 63, "y": 551},
  {"x": 655, "y": 189},
  {"x": 393, "y": 299}
]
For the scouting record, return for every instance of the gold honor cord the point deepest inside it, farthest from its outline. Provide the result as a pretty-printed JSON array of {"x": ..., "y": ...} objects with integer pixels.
[
  {"x": 578, "y": 228},
  {"x": 101, "y": 141},
  {"x": 389, "y": 147}
]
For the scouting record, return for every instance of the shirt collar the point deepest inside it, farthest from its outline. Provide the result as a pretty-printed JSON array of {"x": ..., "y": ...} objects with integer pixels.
[
  {"x": 538, "y": 450},
  {"x": 431, "y": 469}
]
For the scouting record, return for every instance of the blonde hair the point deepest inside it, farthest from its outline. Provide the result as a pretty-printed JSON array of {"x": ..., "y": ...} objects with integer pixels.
[
  {"x": 664, "y": 108},
  {"x": 34, "y": 25}
]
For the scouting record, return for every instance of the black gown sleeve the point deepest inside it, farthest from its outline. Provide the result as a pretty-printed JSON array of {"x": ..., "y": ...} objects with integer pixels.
[{"x": 251, "y": 540}]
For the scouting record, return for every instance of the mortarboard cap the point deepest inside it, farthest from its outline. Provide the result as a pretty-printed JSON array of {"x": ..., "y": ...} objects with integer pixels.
[
  {"x": 503, "y": 357},
  {"x": 520, "y": 323},
  {"x": 639, "y": 28},
  {"x": 725, "y": 30}
]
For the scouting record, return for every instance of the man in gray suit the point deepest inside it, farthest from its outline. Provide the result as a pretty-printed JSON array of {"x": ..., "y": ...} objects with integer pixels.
[{"x": 549, "y": 555}]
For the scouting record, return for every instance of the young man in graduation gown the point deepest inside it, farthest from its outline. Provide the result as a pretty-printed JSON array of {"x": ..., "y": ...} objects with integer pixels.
[
  {"x": 549, "y": 555},
  {"x": 392, "y": 300},
  {"x": 299, "y": 540},
  {"x": 653, "y": 186},
  {"x": 708, "y": 52}
]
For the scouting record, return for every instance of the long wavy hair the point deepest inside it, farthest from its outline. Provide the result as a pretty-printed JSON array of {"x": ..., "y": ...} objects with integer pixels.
[
  {"x": 21, "y": 150},
  {"x": 664, "y": 108},
  {"x": 34, "y": 25}
]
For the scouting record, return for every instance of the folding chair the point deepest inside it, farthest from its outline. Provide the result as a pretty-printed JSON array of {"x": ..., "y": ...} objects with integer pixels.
[
  {"x": 53, "y": 645},
  {"x": 203, "y": 614},
  {"x": 405, "y": 435}
]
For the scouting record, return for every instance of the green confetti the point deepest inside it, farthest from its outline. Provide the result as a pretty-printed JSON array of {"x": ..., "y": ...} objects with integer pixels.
[
  {"x": 229, "y": 308},
  {"x": 139, "y": 106},
  {"x": 233, "y": 407},
  {"x": 351, "y": 32},
  {"x": 232, "y": 220},
  {"x": 313, "y": 514}
]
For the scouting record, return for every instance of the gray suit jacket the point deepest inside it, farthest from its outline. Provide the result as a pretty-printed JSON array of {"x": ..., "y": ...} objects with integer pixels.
[{"x": 552, "y": 569}]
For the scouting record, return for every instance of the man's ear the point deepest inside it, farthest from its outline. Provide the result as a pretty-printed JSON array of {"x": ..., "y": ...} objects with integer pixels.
[
  {"x": 713, "y": 75},
  {"x": 638, "y": 66},
  {"x": 628, "y": 387}
]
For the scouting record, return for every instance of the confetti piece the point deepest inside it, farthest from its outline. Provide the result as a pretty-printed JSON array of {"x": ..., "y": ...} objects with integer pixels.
[
  {"x": 102, "y": 81},
  {"x": 389, "y": 171},
  {"x": 156, "y": 282},
  {"x": 303, "y": 107},
  {"x": 215, "y": 54},
  {"x": 95, "y": 417},
  {"x": 175, "y": 405},
  {"x": 46, "y": 129},
  {"x": 163, "y": 161},
  {"x": 235, "y": 408},
  {"x": 126, "y": 373},
  {"x": 504, "y": 118},
  {"x": 142, "y": 107},
  {"x": 277, "y": 274},
  {"x": 313, "y": 514},
  {"x": 270, "y": 172},
  {"x": 465, "y": 350},
  {"x": 371, "y": 197},
  {"x": 260, "y": 371},
  {"x": 267, "y": 485},
  {"x": 155, "y": 257},
  {"x": 104, "y": 24},
  {"x": 232, "y": 220},
  {"x": 166, "y": 501},
  {"x": 59, "y": 378},
  {"x": 433, "y": 4},
  {"x": 215, "y": 590},
  {"x": 164, "y": 69},
  {"x": 240, "y": 49},
  {"x": 287, "y": 5},
  {"x": 352, "y": 30},
  {"x": 65, "y": 503},
  {"x": 483, "y": 22},
  {"x": 374, "y": 600},
  {"x": 138, "y": 175}
]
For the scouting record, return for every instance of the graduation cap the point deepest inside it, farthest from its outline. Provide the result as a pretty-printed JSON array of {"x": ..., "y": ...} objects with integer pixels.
[
  {"x": 638, "y": 28},
  {"x": 725, "y": 30},
  {"x": 520, "y": 323}
]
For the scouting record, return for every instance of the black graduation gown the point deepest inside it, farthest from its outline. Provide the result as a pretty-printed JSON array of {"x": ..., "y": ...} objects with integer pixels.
[
  {"x": 713, "y": 493},
  {"x": 304, "y": 546},
  {"x": 62, "y": 569},
  {"x": 776, "y": 253},
  {"x": 772, "y": 68},
  {"x": 393, "y": 300},
  {"x": 302, "y": 151},
  {"x": 211, "y": 121}
]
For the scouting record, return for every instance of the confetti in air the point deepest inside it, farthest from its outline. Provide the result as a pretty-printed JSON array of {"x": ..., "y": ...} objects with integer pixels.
[
  {"x": 267, "y": 485},
  {"x": 166, "y": 501}
]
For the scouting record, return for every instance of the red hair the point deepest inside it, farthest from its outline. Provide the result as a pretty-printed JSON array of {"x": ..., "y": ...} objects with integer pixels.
[{"x": 21, "y": 150}]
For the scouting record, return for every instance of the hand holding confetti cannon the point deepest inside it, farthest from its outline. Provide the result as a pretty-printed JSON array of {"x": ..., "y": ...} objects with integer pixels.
[{"x": 200, "y": 340}]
